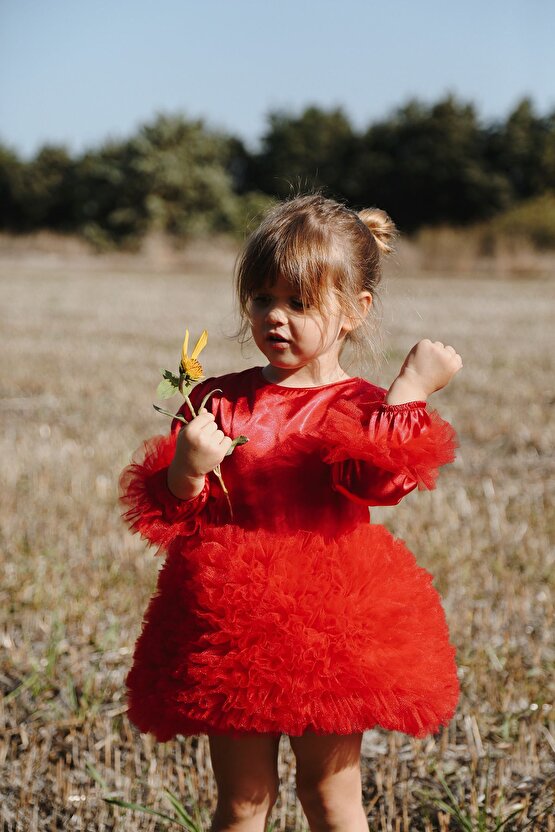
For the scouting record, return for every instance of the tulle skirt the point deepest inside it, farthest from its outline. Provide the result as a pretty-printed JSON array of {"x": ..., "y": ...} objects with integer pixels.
[{"x": 265, "y": 632}]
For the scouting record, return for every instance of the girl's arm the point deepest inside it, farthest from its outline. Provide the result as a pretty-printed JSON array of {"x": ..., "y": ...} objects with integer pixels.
[
  {"x": 381, "y": 455},
  {"x": 150, "y": 508},
  {"x": 381, "y": 452},
  {"x": 165, "y": 491},
  {"x": 428, "y": 367}
]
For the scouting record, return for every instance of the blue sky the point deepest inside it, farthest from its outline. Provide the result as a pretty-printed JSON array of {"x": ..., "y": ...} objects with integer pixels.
[{"x": 77, "y": 73}]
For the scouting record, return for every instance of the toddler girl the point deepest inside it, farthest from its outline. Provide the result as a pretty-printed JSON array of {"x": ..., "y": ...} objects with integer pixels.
[{"x": 294, "y": 614}]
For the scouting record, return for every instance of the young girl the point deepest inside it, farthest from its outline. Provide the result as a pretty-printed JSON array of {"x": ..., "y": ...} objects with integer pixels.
[{"x": 294, "y": 614}]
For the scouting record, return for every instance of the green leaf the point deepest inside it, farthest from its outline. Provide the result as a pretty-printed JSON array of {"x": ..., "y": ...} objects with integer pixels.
[
  {"x": 168, "y": 413},
  {"x": 169, "y": 376},
  {"x": 454, "y": 809},
  {"x": 145, "y": 809},
  {"x": 30, "y": 680},
  {"x": 166, "y": 389},
  {"x": 182, "y": 812},
  {"x": 96, "y": 775},
  {"x": 196, "y": 809},
  {"x": 509, "y": 817},
  {"x": 240, "y": 440}
]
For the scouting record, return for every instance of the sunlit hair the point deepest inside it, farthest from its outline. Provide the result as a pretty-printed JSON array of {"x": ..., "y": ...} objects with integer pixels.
[{"x": 315, "y": 243}]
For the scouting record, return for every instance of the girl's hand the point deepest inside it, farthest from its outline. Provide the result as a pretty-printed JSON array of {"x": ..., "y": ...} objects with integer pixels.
[
  {"x": 200, "y": 447},
  {"x": 429, "y": 366}
]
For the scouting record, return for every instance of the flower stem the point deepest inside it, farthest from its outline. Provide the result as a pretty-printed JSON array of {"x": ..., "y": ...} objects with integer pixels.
[
  {"x": 218, "y": 473},
  {"x": 191, "y": 408},
  {"x": 185, "y": 393}
]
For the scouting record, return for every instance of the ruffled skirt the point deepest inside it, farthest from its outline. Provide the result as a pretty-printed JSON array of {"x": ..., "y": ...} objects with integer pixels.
[{"x": 265, "y": 632}]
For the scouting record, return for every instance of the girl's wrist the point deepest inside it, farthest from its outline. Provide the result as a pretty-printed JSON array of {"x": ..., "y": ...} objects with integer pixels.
[
  {"x": 405, "y": 389},
  {"x": 183, "y": 484}
]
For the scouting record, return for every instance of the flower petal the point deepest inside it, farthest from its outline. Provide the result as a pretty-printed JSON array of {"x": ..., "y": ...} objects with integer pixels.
[
  {"x": 184, "y": 347},
  {"x": 192, "y": 369},
  {"x": 200, "y": 345}
]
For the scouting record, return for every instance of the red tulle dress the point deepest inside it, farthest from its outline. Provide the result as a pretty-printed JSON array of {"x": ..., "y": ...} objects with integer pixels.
[{"x": 296, "y": 614}]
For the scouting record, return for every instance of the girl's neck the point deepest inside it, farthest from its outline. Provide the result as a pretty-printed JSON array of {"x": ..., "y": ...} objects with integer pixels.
[{"x": 296, "y": 378}]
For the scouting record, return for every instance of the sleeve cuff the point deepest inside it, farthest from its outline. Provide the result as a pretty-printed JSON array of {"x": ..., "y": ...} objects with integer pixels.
[
  {"x": 174, "y": 508},
  {"x": 403, "y": 406},
  {"x": 404, "y": 439},
  {"x": 151, "y": 509}
]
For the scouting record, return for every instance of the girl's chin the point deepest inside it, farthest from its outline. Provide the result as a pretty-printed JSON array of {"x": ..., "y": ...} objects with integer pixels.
[{"x": 278, "y": 352}]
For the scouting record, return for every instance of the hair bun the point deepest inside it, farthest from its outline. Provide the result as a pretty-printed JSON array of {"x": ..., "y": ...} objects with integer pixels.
[{"x": 381, "y": 226}]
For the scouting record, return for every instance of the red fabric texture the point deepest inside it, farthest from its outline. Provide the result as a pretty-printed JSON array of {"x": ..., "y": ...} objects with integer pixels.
[
  {"x": 404, "y": 439},
  {"x": 295, "y": 613}
]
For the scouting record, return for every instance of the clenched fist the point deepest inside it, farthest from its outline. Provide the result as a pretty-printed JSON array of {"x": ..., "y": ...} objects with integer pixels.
[
  {"x": 429, "y": 366},
  {"x": 200, "y": 447}
]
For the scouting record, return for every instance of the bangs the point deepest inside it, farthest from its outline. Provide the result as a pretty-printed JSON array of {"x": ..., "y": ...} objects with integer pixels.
[{"x": 300, "y": 250}]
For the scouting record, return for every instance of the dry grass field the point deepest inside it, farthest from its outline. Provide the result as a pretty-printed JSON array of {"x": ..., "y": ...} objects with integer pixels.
[{"x": 82, "y": 344}]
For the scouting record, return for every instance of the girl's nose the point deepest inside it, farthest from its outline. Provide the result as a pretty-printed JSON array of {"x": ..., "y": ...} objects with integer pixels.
[{"x": 275, "y": 314}]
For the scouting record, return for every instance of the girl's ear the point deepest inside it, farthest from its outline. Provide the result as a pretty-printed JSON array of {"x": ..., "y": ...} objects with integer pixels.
[{"x": 364, "y": 302}]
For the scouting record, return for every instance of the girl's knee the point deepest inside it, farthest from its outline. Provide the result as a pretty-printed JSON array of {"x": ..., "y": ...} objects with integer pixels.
[
  {"x": 246, "y": 773},
  {"x": 326, "y": 811},
  {"x": 334, "y": 802},
  {"x": 252, "y": 797},
  {"x": 343, "y": 788},
  {"x": 233, "y": 809}
]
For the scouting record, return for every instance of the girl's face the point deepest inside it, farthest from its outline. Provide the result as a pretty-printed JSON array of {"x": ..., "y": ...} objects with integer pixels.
[{"x": 308, "y": 338}]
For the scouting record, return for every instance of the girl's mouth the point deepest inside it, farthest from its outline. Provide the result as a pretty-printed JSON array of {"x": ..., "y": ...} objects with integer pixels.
[{"x": 278, "y": 343}]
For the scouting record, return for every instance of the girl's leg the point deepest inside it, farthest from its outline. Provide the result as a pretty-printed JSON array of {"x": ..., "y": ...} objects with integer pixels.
[
  {"x": 329, "y": 784},
  {"x": 246, "y": 772}
]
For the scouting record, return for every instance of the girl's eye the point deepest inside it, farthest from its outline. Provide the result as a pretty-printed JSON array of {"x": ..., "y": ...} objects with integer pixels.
[{"x": 295, "y": 302}]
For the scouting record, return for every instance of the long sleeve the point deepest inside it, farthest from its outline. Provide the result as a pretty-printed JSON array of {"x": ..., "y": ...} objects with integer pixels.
[
  {"x": 381, "y": 452},
  {"x": 150, "y": 507}
]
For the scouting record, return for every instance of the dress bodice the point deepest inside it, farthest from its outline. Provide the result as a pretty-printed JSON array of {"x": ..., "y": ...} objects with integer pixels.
[{"x": 315, "y": 460}]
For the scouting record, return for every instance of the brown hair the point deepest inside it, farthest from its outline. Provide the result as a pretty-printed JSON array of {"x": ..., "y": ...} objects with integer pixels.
[{"x": 310, "y": 240}]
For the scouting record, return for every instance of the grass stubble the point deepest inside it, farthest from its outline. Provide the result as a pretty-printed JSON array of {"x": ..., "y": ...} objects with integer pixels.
[{"x": 82, "y": 350}]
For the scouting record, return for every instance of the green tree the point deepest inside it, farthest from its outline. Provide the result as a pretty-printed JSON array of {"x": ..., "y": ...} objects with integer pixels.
[
  {"x": 523, "y": 150},
  {"x": 10, "y": 174},
  {"x": 183, "y": 165},
  {"x": 427, "y": 165},
  {"x": 107, "y": 199},
  {"x": 43, "y": 190},
  {"x": 308, "y": 150},
  {"x": 424, "y": 164},
  {"x": 171, "y": 177}
]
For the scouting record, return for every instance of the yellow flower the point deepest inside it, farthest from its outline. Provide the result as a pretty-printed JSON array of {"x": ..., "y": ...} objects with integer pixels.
[{"x": 190, "y": 367}]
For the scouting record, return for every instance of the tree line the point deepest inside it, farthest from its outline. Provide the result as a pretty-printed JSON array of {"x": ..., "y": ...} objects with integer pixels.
[{"x": 425, "y": 164}]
